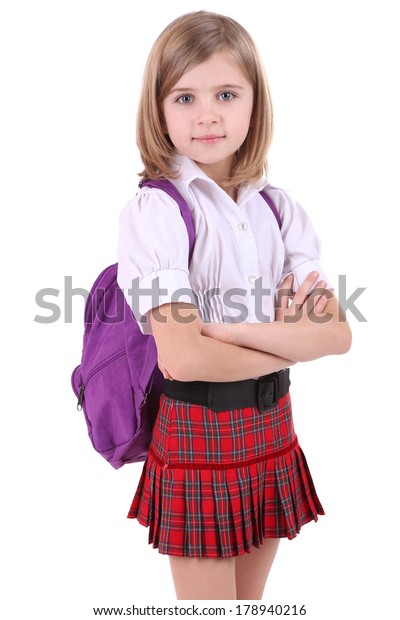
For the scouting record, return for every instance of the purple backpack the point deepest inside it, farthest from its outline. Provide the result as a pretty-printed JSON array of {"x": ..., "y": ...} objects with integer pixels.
[
  {"x": 119, "y": 392},
  {"x": 118, "y": 382}
]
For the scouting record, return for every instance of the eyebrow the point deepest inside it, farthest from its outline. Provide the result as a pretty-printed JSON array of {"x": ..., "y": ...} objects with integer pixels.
[{"x": 221, "y": 87}]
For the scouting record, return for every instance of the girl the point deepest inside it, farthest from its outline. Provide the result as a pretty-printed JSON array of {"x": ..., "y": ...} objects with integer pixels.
[{"x": 225, "y": 477}]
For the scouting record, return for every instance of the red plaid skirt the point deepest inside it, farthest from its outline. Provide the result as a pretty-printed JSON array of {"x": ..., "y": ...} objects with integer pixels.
[{"x": 217, "y": 484}]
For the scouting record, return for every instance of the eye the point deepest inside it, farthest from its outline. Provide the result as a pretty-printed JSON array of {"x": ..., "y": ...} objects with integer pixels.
[
  {"x": 226, "y": 95},
  {"x": 185, "y": 99}
]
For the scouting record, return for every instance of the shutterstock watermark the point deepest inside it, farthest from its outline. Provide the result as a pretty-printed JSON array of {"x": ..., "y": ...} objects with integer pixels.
[{"x": 109, "y": 305}]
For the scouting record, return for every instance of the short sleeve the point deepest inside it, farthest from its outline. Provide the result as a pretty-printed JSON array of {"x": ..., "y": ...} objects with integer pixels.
[
  {"x": 302, "y": 245},
  {"x": 153, "y": 250}
]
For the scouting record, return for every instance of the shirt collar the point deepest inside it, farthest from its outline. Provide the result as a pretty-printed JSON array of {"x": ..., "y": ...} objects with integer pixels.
[{"x": 189, "y": 171}]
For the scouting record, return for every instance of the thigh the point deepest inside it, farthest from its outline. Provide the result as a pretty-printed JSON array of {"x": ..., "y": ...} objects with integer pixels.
[
  {"x": 203, "y": 578},
  {"x": 252, "y": 570}
]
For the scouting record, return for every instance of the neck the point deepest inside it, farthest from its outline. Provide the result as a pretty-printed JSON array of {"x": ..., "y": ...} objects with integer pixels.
[
  {"x": 219, "y": 173},
  {"x": 232, "y": 192}
]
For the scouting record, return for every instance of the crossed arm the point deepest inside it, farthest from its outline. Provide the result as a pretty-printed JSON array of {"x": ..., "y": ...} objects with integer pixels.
[{"x": 311, "y": 326}]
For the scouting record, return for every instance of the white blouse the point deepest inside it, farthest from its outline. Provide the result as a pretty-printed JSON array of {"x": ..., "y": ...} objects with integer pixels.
[{"x": 240, "y": 255}]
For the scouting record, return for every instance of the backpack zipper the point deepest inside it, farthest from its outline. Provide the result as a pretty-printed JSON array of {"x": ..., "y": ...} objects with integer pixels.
[
  {"x": 109, "y": 360},
  {"x": 80, "y": 397}
]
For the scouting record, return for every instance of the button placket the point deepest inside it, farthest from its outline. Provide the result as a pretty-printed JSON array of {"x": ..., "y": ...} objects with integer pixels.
[{"x": 246, "y": 244}]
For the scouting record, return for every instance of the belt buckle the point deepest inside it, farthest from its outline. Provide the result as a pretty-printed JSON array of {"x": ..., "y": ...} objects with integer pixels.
[{"x": 267, "y": 391}]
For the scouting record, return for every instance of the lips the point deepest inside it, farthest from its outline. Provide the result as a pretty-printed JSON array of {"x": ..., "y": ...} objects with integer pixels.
[{"x": 209, "y": 139}]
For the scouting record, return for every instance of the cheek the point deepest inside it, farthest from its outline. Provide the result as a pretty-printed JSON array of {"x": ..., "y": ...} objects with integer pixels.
[
  {"x": 168, "y": 117},
  {"x": 165, "y": 119},
  {"x": 245, "y": 121},
  {"x": 173, "y": 130},
  {"x": 171, "y": 121}
]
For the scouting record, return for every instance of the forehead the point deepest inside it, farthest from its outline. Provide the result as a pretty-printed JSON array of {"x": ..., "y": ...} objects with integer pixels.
[{"x": 219, "y": 68}]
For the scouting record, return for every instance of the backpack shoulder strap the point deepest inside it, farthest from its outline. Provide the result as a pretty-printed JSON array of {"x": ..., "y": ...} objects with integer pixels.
[
  {"x": 272, "y": 207},
  {"x": 171, "y": 190}
]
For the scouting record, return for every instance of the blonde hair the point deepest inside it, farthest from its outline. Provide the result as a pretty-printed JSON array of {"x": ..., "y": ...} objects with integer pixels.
[{"x": 188, "y": 41}]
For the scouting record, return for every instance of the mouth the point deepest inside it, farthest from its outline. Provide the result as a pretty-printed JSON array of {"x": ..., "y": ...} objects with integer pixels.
[{"x": 209, "y": 139}]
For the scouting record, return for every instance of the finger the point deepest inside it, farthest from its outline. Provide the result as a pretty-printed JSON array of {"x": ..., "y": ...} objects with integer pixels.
[
  {"x": 320, "y": 304},
  {"x": 285, "y": 292},
  {"x": 304, "y": 289},
  {"x": 314, "y": 294},
  {"x": 303, "y": 292},
  {"x": 318, "y": 290},
  {"x": 320, "y": 298},
  {"x": 288, "y": 281}
]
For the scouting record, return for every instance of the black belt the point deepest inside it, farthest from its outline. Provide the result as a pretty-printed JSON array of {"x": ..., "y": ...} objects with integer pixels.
[{"x": 262, "y": 393}]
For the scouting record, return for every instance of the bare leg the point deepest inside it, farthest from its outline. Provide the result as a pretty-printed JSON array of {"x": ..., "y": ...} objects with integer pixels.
[
  {"x": 203, "y": 578},
  {"x": 252, "y": 570}
]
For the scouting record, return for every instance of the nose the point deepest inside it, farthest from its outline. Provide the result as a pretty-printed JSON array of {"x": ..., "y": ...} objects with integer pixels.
[{"x": 207, "y": 114}]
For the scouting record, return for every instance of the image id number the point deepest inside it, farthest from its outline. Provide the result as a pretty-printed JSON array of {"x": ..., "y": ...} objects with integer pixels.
[{"x": 278, "y": 610}]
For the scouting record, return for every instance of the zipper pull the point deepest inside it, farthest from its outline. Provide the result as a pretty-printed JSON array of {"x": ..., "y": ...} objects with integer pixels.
[{"x": 80, "y": 398}]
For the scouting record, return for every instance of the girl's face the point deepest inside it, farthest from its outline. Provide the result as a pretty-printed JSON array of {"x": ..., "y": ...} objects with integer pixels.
[{"x": 208, "y": 112}]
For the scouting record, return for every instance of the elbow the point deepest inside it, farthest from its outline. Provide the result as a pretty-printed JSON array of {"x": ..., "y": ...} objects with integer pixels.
[
  {"x": 193, "y": 363},
  {"x": 181, "y": 372},
  {"x": 343, "y": 339},
  {"x": 336, "y": 341},
  {"x": 183, "y": 367}
]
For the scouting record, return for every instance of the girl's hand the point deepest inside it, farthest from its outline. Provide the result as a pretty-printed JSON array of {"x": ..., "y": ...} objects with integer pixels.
[
  {"x": 218, "y": 331},
  {"x": 304, "y": 302}
]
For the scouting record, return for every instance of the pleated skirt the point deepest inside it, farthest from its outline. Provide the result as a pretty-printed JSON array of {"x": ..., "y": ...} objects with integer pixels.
[{"x": 216, "y": 484}]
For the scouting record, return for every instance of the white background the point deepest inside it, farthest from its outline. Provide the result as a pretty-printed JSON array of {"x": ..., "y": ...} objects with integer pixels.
[{"x": 71, "y": 75}]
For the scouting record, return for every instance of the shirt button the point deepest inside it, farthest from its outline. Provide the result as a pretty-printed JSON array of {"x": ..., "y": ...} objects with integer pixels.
[
  {"x": 252, "y": 279},
  {"x": 242, "y": 226}
]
